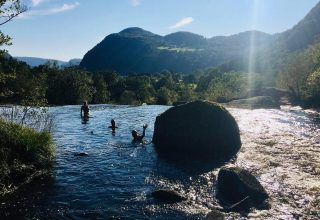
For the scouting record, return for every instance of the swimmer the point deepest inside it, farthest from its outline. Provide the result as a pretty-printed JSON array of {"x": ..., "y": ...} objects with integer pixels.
[{"x": 139, "y": 138}]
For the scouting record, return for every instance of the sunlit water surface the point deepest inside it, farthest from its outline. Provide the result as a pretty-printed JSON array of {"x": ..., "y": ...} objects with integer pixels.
[{"x": 281, "y": 147}]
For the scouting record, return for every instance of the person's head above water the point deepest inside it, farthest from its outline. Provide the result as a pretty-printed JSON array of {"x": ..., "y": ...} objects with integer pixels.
[
  {"x": 113, "y": 123},
  {"x": 85, "y": 103},
  {"x": 134, "y": 133}
]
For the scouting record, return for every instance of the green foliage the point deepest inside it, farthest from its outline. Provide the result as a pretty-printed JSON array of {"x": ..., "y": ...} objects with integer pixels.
[
  {"x": 20, "y": 148},
  {"x": 166, "y": 96},
  {"x": 72, "y": 85},
  {"x": 128, "y": 98},
  {"x": 69, "y": 86},
  {"x": 227, "y": 86},
  {"x": 179, "y": 49},
  {"x": 20, "y": 84},
  {"x": 8, "y": 10},
  {"x": 25, "y": 144},
  {"x": 101, "y": 93},
  {"x": 300, "y": 74}
]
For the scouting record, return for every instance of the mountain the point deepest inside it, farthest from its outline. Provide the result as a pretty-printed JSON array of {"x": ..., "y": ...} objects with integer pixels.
[
  {"x": 35, "y": 61},
  {"x": 138, "y": 50},
  {"x": 72, "y": 62},
  {"x": 303, "y": 34}
]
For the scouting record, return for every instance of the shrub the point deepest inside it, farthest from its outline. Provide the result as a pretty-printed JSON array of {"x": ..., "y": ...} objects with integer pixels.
[
  {"x": 22, "y": 148},
  {"x": 25, "y": 144}
]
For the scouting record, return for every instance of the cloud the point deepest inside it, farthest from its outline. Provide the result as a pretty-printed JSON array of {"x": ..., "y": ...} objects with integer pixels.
[
  {"x": 182, "y": 22},
  {"x": 135, "y": 3},
  {"x": 36, "y": 2},
  {"x": 65, "y": 7}
]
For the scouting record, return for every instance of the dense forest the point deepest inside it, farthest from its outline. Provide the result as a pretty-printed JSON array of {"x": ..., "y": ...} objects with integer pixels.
[{"x": 55, "y": 86}]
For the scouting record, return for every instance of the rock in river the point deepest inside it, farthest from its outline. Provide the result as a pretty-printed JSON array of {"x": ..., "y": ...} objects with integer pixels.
[
  {"x": 82, "y": 154},
  {"x": 167, "y": 195},
  {"x": 198, "y": 129},
  {"x": 266, "y": 102},
  {"x": 215, "y": 215},
  {"x": 238, "y": 185}
]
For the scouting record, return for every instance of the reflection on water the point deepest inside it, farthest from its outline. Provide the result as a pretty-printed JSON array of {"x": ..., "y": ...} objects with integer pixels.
[{"x": 281, "y": 147}]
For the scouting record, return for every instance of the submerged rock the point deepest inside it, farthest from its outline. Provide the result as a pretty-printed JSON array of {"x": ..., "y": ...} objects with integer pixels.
[
  {"x": 255, "y": 102},
  {"x": 215, "y": 215},
  {"x": 198, "y": 129},
  {"x": 240, "y": 188},
  {"x": 167, "y": 195},
  {"x": 81, "y": 154},
  {"x": 276, "y": 93},
  {"x": 179, "y": 103}
]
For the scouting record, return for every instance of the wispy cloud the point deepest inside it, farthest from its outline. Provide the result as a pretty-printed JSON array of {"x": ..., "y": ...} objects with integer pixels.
[
  {"x": 135, "y": 3},
  {"x": 36, "y": 2},
  {"x": 55, "y": 10},
  {"x": 182, "y": 22},
  {"x": 63, "y": 8}
]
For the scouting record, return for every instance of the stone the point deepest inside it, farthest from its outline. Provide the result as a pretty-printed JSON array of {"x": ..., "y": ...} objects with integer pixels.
[
  {"x": 199, "y": 130},
  {"x": 168, "y": 196},
  {"x": 240, "y": 188},
  {"x": 81, "y": 154},
  {"x": 215, "y": 215},
  {"x": 266, "y": 102}
]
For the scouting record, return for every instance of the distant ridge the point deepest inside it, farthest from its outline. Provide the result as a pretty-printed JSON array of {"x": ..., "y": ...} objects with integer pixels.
[{"x": 36, "y": 61}]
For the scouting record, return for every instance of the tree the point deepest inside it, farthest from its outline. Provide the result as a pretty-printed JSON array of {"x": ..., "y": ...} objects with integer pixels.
[
  {"x": 9, "y": 9},
  {"x": 101, "y": 94},
  {"x": 140, "y": 85},
  {"x": 165, "y": 96},
  {"x": 128, "y": 98}
]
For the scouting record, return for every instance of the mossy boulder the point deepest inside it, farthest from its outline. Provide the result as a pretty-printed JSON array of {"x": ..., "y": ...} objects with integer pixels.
[
  {"x": 199, "y": 129},
  {"x": 239, "y": 186}
]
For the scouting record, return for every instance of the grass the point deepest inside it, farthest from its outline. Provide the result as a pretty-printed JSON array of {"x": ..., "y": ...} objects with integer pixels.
[
  {"x": 179, "y": 49},
  {"x": 23, "y": 152}
]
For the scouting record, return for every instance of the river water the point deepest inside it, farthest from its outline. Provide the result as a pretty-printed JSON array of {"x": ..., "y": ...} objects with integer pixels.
[{"x": 280, "y": 147}]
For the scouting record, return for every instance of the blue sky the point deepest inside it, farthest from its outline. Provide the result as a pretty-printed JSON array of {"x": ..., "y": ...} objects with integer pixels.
[{"x": 65, "y": 29}]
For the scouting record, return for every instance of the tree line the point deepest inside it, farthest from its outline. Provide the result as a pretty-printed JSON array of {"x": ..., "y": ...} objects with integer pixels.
[{"x": 22, "y": 84}]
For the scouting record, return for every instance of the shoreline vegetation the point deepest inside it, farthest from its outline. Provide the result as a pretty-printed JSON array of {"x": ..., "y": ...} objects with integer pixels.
[{"x": 27, "y": 150}]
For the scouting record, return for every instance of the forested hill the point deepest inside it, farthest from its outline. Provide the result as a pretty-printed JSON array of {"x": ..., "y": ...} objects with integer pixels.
[
  {"x": 137, "y": 50},
  {"x": 140, "y": 51}
]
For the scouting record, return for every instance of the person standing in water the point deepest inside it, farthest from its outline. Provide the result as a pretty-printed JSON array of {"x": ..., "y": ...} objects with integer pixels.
[
  {"x": 84, "y": 113},
  {"x": 113, "y": 126},
  {"x": 139, "y": 138}
]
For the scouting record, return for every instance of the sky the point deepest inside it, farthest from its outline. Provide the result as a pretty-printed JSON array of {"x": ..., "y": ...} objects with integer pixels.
[{"x": 67, "y": 29}]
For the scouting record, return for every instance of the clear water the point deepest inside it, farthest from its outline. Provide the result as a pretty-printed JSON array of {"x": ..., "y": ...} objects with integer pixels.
[{"x": 281, "y": 147}]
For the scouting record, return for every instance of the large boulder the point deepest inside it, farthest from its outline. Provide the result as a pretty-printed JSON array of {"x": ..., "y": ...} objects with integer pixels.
[
  {"x": 240, "y": 188},
  {"x": 198, "y": 129}
]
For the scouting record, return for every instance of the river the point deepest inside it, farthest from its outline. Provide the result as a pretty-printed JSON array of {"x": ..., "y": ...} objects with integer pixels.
[{"x": 280, "y": 147}]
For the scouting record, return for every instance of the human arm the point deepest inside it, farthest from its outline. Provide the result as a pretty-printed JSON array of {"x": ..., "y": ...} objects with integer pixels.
[{"x": 144, "y": 131}]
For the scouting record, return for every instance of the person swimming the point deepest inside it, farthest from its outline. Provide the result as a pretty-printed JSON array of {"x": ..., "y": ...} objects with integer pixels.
[
  {"x": 85, "y": 110},
  {"x": 113, "y": 126},
  {"x": 139, "y": 138}
]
